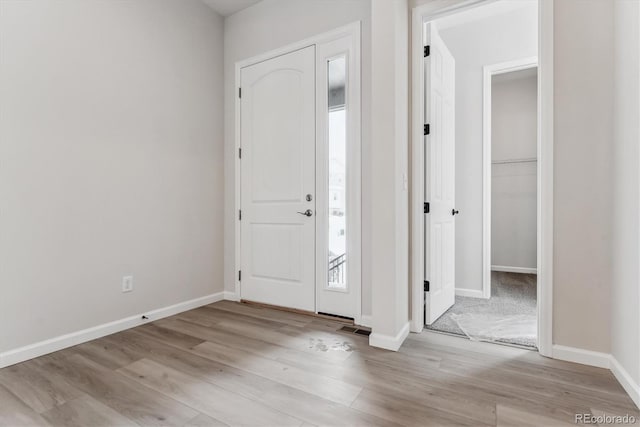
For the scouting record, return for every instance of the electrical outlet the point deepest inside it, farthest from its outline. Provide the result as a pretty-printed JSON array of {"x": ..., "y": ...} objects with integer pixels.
[{"x": 127, "y": 284}]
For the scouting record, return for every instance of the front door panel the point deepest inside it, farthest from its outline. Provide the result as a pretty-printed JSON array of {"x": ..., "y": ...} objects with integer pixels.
[{"x": 278, "y": 172}]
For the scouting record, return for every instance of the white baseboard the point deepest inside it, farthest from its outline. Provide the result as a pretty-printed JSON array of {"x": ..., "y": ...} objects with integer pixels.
[
  {"x": 508, "y": 269},
  {"x": 600, "y": 360},
  {"x": 388, "y": 342},
  {"x": 630, "y": 386},
  {"x": 231, "y": 296},
  {"x": 365, "y": 320},
  {"x": 584, "y": 357},
  {"x": 41, "y": 348},
  {"x": 473, "y": 293}
]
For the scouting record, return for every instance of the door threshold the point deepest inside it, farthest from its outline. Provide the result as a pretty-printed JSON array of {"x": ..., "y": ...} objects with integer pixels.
[
  {"x": 465, "y": 337},
  {"x": 298, "y": 311}
]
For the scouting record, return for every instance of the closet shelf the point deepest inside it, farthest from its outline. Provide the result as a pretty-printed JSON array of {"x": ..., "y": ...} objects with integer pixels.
[{"x": 506, "y": 161}]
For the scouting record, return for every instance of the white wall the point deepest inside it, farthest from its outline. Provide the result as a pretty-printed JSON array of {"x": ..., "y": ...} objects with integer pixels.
[
  {"x": 500, "y": 38},
  {"x": 583, "y": 117},
  {"x": 111, "y": 161},
  {"x": 625, "y": 254},
  {"x": 389, "y": 151},
  {"x": 271, "y": 24},
  {"x": 514, "y": 129}
]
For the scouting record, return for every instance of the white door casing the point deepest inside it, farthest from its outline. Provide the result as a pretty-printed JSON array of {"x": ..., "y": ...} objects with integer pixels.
[
  {"x": 277, "y": 114},
  {"x": 439, "y": 177}
]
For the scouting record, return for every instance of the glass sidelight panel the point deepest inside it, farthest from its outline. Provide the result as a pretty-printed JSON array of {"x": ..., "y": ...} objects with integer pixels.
[{"x": 337, "y": 197}]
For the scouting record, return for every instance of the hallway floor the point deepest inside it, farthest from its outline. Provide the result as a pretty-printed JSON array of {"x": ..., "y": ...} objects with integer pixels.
[{"x": 509, "y": 316}]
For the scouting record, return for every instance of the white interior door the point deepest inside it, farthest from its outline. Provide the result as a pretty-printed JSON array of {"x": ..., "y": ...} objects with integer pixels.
[
  {"x": 440, "y": 177},
  {"x": 278, "y": 181}
]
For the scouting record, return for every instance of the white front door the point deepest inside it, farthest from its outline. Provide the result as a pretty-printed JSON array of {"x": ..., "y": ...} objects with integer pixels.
[
  {"x": 440, "y": 177},
  {"x": 278, "y": 181}
]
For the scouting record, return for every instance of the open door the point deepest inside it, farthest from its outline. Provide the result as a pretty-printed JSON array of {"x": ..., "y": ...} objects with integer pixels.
[{"x": 439, "y": 177}]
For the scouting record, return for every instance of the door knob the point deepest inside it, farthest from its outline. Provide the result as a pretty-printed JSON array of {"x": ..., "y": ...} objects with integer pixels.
[
  {"x": 454, "y": 212},
  {"x": 309, "y": 197},
  {"x": 308, "y": 212}
]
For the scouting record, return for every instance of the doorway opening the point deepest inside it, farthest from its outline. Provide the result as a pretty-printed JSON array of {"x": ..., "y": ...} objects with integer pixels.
[
  {"x": 505, "y": 311},
  {"x": 481, "y": 179}
]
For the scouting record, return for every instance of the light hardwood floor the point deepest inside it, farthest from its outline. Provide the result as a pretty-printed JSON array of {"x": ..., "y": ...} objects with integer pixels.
[{"x": 236, "y": 364}]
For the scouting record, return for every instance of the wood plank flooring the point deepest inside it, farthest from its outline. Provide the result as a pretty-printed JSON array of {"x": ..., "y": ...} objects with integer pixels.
[{"x": 236, "y": 364}]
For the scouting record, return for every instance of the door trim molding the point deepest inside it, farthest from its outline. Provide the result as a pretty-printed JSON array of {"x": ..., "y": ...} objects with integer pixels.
[
  {"x": 352, "y": 29},
  {"x": 488, "y": 72},
  {"x": 428, "y": 12}
]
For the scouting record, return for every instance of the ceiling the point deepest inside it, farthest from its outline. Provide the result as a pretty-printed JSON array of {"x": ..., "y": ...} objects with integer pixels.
[{"x": 228, "y": 7}]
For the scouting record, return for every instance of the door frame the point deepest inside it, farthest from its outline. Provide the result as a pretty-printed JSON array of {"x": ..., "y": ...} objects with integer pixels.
[
  {"x": 354, "y": 222},
  {"x": 431, "y": 11},
  {"x": 488, "y": 72}
]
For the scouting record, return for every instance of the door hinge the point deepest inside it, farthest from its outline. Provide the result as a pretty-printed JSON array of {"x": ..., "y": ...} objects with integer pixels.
[
  {"x": 239, "y": 92},
  {"x": 239, "y": 153},
  {"x": 427, "y": 51},
  {"x": 426, "y": 286},
  {"x": 239, "y": 275},
  {"x": 426, "y": 207},
  {"x": 427, "y": 129},
  {"x": 240, "y": 215}
]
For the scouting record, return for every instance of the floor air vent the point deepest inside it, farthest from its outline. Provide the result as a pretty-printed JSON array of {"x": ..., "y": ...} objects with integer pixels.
[{"x": 358, "y": 331}]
